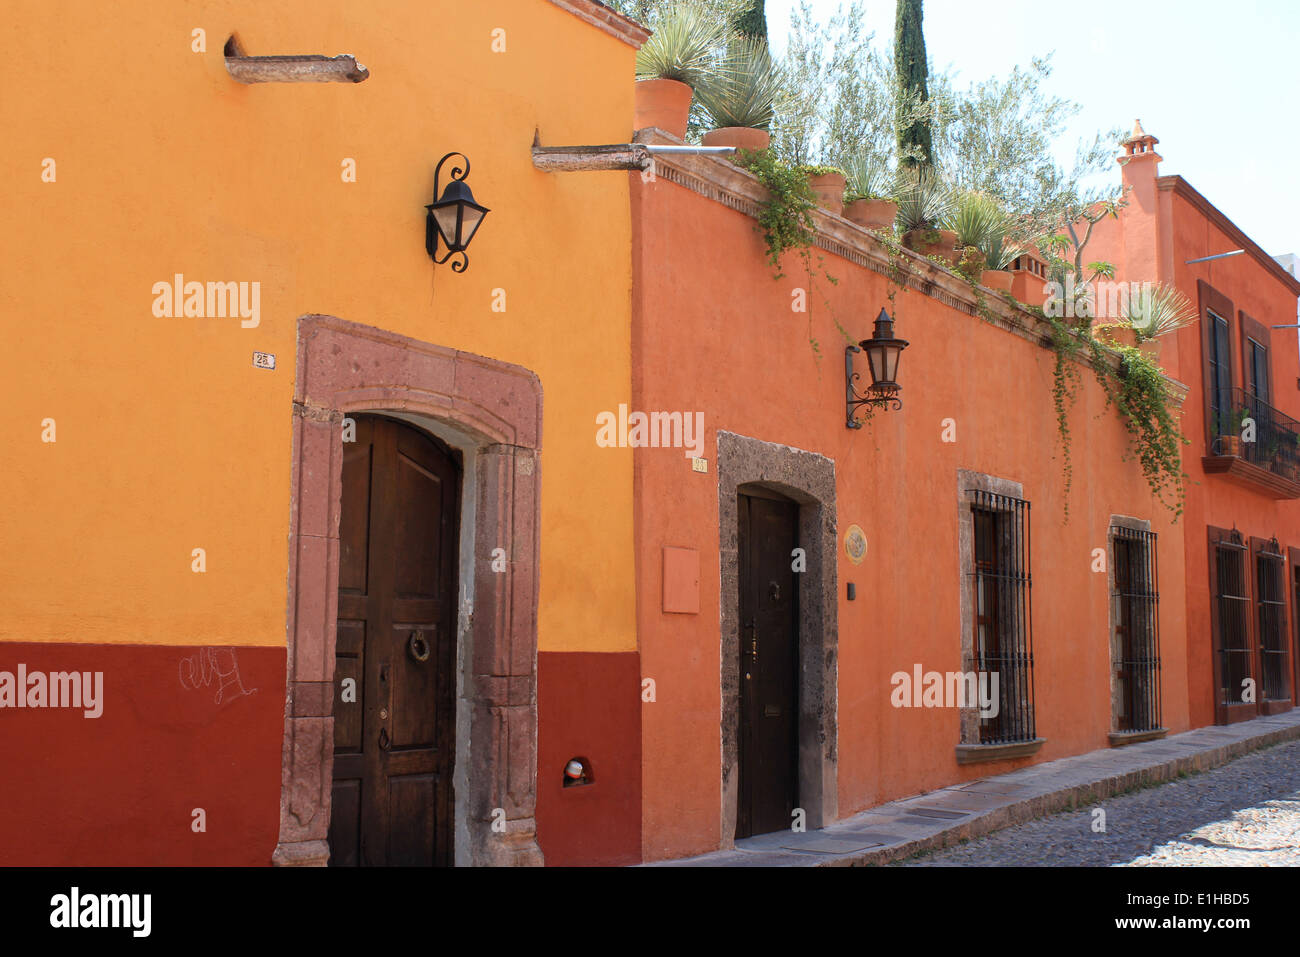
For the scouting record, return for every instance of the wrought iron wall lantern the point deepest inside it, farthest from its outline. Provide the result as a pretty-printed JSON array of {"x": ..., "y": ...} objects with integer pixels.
[
  {"x": 453, "y": 217},
  {"x": 883, "y": 354}
]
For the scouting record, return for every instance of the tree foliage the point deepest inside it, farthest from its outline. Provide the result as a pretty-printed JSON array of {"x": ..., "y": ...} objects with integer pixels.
[
  {"x": 751, "y": 21},
  {"x": 914, "y": 136}
]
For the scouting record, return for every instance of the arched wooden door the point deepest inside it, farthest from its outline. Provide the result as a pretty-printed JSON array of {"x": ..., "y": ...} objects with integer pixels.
[{"x": 395, "y": 682}]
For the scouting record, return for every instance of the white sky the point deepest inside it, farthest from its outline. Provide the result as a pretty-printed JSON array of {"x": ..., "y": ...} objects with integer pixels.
[{"x": 1217, "y": 82}]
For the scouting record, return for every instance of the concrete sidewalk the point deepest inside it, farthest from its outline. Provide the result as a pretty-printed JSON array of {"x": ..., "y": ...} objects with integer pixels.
[{"x": 974, "y": 808}]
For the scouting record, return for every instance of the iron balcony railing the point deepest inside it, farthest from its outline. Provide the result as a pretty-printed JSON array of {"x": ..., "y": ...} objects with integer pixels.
[{"x": 1248, "y": 427}]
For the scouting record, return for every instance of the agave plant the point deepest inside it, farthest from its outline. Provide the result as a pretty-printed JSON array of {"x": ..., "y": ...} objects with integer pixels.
[
  {"x": 741, "y": 87},
  {"x": 1156, "y": 308},
  {"x": 684, "y": 46},
  {"x": 869, "y": 177},
  {"x": 924, "y": 200},
  {"x": 976, "y": 218}
]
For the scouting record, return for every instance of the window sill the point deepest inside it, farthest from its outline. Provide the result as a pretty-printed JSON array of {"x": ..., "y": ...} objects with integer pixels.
[
  {"x": 1242, "y": 472},
  {"x": 980, "y": 753},
  {"x": 1120, "y": 738}
]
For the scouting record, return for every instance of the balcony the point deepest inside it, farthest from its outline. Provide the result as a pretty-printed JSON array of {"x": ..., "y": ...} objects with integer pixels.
[{"x": 1255, "y": 445}]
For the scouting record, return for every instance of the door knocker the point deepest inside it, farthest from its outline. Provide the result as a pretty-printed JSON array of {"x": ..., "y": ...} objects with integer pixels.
[{"x": 418, "y": 647}]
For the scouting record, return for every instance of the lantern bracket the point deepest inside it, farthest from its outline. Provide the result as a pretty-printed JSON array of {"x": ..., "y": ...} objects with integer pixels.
[
  {"x": 886, "y": 398},
  {"x": 430, "y": 229}
]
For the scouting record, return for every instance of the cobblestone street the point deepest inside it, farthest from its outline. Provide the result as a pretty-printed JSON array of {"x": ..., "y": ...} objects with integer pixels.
[{"x": 1245, "y": 813}]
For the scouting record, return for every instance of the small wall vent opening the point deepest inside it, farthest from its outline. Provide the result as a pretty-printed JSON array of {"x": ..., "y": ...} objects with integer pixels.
[{"x": 577, "y": 773}]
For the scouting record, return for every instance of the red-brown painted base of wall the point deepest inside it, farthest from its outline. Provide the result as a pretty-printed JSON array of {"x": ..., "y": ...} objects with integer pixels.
[
  {"x": 589, "y": 706},
  {"x": 181, "y": 728}
]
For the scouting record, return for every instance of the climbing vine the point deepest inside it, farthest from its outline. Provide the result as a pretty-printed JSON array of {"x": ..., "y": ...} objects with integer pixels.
[
  {"x": 1144, "y": 401},
  {"x": 786, "y": 223},
  {"x": 1141, "y": 395}
]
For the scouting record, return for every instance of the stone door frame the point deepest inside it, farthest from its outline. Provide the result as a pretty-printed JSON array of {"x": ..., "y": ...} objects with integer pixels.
[
  {"x": 496, "y": 410},
  {"x": 808, "y": 479}
]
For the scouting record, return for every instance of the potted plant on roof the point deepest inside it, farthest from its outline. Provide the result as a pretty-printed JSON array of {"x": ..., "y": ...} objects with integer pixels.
[
  {"x": 827, "y": 184},
  {"x": 1156, "y": 309},
  {"x": 1000, "y": 251},
  {"x": 974, "y": 218},
  {"x": 923, "y": 204},
  {"x": 738, "y": 98},
  {"x": 680, "y": 54},
  {"x": 868, "y": 199}
]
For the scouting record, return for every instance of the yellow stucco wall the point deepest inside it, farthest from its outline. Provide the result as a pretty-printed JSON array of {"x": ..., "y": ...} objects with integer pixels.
[{"x": 168, "y": 438}]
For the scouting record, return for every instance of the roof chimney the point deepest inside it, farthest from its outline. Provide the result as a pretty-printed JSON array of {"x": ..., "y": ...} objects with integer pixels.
[{"x": 1139, "y": 145}]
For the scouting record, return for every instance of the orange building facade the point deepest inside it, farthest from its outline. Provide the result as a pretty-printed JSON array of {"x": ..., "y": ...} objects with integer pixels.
[
  {"x": 320, "y": 523},
  {"x": 569, "y": 556},
  {"x": 1243, "y": 460}
]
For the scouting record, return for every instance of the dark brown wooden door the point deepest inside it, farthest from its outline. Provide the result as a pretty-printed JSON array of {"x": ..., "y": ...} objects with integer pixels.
[
  {"x": 769, "y": 695},
  {"x": 394, "y": 743}
]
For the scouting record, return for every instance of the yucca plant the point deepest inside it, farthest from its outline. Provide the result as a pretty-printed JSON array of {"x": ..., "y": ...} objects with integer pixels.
[
  {"x": 685, "y": 45},
  {"x": 869, "y": 177},
  {"x": 976, "y": 218},
  {"x": 999, "y": 249},
  {"x": 741, "y": 87},
  {"x": 924, "y": 200},
  {"x": 1156, "y": 308}
]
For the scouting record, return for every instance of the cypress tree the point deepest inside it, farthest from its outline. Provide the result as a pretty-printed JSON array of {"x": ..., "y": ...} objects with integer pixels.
[
  {"x": 912, "y": 68},
  {"x": 752, "y": 21}
]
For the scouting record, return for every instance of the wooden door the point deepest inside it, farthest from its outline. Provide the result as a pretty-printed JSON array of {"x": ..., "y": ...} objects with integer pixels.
[
  {"x": 769, "y": 695},
  {"x": 394, "y": 741}
]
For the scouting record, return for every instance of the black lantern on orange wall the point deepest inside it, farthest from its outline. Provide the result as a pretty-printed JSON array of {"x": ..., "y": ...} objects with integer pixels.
[
  {"x": 883, "y": 355},
  {"x": 453, "y": 217}
]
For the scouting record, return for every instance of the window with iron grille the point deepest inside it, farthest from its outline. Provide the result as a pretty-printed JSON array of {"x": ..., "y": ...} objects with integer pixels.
[
  {"x": 1270, "y": 611},
  {"x": 1231, "y": 613},
  {"x": 1137, "y": 629},
  {"x": 1001, "y": 602}
]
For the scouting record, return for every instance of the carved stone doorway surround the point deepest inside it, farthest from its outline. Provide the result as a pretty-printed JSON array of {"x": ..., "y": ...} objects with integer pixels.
[
  {"x": 809, "y": 479},
  {"x": 343, "y": 368}
]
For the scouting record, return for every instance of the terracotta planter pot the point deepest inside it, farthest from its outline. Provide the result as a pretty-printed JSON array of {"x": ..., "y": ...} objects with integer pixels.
[
  {"x": 1229, "y": 445},
  {"x": 829, "y": 190},
  {"x": 741, "y": 137},
  {"x": 1151, "y": 349},
  {"x": 933, "y": 242},
  {"x": 998, "y": 279},
  {"x": 665, "y": 104},
  {"x": 1117, "y": 335},
  {"x": 872, "y": 213},
  {"x": 970, "y": 263}
]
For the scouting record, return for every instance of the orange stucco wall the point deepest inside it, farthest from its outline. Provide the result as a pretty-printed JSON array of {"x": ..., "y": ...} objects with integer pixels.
[
  {"x": 1181, "y": 230},
  {"x": 713, "y": 332},
  {"x": 167, "y": 438}
]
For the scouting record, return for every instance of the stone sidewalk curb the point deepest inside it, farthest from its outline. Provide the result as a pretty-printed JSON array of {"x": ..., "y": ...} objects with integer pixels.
[{"x": 980, "y": 806}]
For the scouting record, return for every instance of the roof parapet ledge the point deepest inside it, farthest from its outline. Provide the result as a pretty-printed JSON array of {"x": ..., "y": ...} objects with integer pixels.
[{"x": 738, "y": 189}]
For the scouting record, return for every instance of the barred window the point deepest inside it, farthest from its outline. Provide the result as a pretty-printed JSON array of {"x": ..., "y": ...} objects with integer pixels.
[
  {"x": 1270, "y": 610},
  {"x": 1002, "y": 644},
  {"x": 1231, "y": 622},
  {"x": 1136, "y": 616}
]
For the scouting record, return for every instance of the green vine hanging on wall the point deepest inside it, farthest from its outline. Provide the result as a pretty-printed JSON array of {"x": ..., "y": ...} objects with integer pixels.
[
  {"x": 1144, "y": 401},
  {"x": 786, "y": 222},
  {"x": 1142, "y": 397}
]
